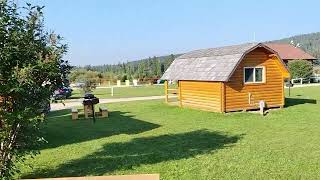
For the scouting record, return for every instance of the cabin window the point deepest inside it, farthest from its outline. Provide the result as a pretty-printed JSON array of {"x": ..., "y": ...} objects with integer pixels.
[{"x": 253, "y": 74}]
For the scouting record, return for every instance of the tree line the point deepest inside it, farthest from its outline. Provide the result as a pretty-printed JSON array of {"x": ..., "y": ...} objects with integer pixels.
[
  {"x": 154, "y": 67},
  {"x": 144, "y": 70}
]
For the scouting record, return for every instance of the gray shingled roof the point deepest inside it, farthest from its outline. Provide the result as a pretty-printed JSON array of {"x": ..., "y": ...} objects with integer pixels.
[{"x": 214, "y": 64}]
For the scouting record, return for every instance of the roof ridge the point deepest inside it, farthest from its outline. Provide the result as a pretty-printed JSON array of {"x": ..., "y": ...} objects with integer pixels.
[{"x": 218, "y": 51}]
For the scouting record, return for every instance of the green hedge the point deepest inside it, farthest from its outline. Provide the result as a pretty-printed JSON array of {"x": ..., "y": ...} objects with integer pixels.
[{"x": 300, "y": 69}]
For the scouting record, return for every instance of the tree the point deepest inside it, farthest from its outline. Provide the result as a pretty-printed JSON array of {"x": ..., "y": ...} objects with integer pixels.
[
  {"x": 31, "y": 69},
  {"x": 300, "y": 69},
  {"x": 157, "y": 67},
  {"x": 168, "y": 61}
]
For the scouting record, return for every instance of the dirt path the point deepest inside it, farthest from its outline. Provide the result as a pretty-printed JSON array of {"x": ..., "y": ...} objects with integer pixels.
[{"x": 78, "y": 102}]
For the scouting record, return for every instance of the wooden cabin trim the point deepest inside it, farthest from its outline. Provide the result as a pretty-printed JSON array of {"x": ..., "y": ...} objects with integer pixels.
[
  {"x": 283, "y": 94},
  {"x": 260, "y": 45},
  {"x": 180, "y": 94},
  {"x": 252, "y": 108},
  {"x": 166, "y": 91},
  {"x": 238, "y": 92},
  {"x": 264, "y": 77},
  {"x": 223, "y": 97},
  {"x": 203, "y": 95},
  {"x": 283, "y": 68}
]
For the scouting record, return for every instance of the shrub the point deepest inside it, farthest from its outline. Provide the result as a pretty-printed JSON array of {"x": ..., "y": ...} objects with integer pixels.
[
  {"x": 300, "y": 69},
  {"x": 31, "y": 69}
]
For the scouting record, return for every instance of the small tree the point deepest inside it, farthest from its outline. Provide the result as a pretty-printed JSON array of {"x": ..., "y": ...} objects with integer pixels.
[
  {"x": 90, "y": 79},
  {"x": 31, "y": 69},
  {"x": 300, "y": 69}
]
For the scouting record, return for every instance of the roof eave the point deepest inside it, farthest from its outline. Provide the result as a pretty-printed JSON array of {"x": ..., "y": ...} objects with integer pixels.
[{"x": 253, "y": 48}]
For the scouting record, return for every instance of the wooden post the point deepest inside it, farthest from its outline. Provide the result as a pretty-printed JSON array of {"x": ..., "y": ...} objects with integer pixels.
[
  {"x": 262, "y": 106},
  {"x": 166, "y": 91},
  {"x": 127, "y": 83},
  {"x": 180, "y": 95},
  {"x": 104, "y": 112},
  {"x": 86, "y": 113},
  {"x": 283, "y": 92},
  {"x": 112, "y": 91},
  {"x": 88, "y": 110},
  {"x": 74, "y": 113},
  {"x": 223, "y": 96}
]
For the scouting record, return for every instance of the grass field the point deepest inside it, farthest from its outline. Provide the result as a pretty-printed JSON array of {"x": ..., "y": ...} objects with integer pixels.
[
  {"x": 151, "y": 137},
  {"x": 122, "y": 92}
]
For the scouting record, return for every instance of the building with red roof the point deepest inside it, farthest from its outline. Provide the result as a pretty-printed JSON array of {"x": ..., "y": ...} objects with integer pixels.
[{"x": 289, "y": 52}]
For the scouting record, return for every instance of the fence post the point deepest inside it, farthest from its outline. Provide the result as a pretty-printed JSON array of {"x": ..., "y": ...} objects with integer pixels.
[
  {"x": 180, "y": 95},
  {"x": 166, "y": 91},
  {"x": 111, "y": 90}
]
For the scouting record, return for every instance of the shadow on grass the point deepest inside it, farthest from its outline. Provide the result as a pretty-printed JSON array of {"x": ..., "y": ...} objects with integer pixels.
[
  {"x": 60, "y": 130},
  {"x": 298, "y": 101},
  {"x": 139, "y": 151}
]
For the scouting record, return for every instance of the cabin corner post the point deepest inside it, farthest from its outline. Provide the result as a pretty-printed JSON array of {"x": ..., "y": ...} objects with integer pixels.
[
  {"x": 223, "y": 97},
  {"x": 283, "y": 94},
  {"x": 166, "y": 90},
  {"x": 180, "y": 95}
]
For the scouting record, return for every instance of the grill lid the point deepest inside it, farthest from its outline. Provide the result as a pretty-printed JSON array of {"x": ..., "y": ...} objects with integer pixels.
[{"x": 89, "y": 96}]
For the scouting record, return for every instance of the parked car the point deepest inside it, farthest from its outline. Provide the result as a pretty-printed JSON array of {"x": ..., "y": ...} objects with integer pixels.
[
  {"x": 67, "y": 91},
  {"x": 62, "y": 93},
  {"x": 315, "y": 79}
]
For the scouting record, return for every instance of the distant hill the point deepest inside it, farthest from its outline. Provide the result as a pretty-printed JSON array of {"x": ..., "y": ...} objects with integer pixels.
[
  {"x": 154, "y": 67},
  {"x": 161, "y": 58},
  {"x": 308, "y": 42}
]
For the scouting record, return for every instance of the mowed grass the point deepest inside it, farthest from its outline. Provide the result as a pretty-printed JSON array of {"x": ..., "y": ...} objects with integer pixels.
[
  {"x": 123, "y": 92},
  {"x": 152, "y": 137}
]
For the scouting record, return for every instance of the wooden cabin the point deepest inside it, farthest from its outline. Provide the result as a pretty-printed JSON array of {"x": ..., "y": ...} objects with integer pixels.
[{"x": 229, "y": 78}]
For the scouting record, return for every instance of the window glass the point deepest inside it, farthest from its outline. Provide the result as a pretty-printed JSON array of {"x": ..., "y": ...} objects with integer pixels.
[
  {"x": 248, "y": 73},
  {"x": 258, "y": 74}
]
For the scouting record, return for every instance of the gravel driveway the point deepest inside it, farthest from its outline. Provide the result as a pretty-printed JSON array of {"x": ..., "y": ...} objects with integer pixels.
[{"x": 78, "y": 102}]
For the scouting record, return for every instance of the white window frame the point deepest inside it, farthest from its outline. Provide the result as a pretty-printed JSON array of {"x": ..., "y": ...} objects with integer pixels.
[{"x": 254, "y": 75}]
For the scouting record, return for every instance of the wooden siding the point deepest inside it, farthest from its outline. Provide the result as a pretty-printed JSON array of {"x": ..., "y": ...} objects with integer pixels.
[
  {"x": 201, "y": 95},
  {"x": 271, "y": 91}
]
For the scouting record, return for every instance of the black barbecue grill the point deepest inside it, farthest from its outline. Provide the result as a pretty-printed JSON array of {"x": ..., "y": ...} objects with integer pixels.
[{"x": 90, "y": 100}]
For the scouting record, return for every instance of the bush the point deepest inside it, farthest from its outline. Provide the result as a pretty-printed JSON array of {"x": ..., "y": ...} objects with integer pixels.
[
  {"x": 31, "y": 69},
  {"x": 300, "y": 69}
]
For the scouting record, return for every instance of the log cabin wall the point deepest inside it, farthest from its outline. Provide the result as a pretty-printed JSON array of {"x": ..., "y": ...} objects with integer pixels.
[
  {"x": 202, "y": 95},
  {"x": 242, "y": 96}
]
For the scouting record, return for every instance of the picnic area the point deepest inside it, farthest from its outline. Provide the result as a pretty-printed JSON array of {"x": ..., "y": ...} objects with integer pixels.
[{"x": 146, "y": 137}]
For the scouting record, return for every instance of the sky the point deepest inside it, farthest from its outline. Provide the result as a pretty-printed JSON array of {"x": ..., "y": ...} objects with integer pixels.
[{"x": 112, "y": 31}]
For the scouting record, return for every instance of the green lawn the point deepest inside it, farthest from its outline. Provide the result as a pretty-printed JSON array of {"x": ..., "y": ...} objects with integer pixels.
[
  {"x": 120, "y": 92},
  {"x": 151, "y": 137}
]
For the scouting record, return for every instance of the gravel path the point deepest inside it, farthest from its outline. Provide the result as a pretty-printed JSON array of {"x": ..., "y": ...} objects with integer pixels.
[{"x": 78, "y": 102}]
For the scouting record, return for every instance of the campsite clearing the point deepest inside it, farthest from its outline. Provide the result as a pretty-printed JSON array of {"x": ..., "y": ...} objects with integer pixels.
[{"x": 178, "y": 143}]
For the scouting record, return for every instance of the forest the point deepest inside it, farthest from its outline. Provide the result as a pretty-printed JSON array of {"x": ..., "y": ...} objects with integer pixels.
[
  {"x": 143, "y": 70},
  {"x": 153, "y": 67}
]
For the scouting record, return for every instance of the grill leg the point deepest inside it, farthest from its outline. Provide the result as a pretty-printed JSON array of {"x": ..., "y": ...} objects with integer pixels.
[{"x": 93, "y": 114}]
